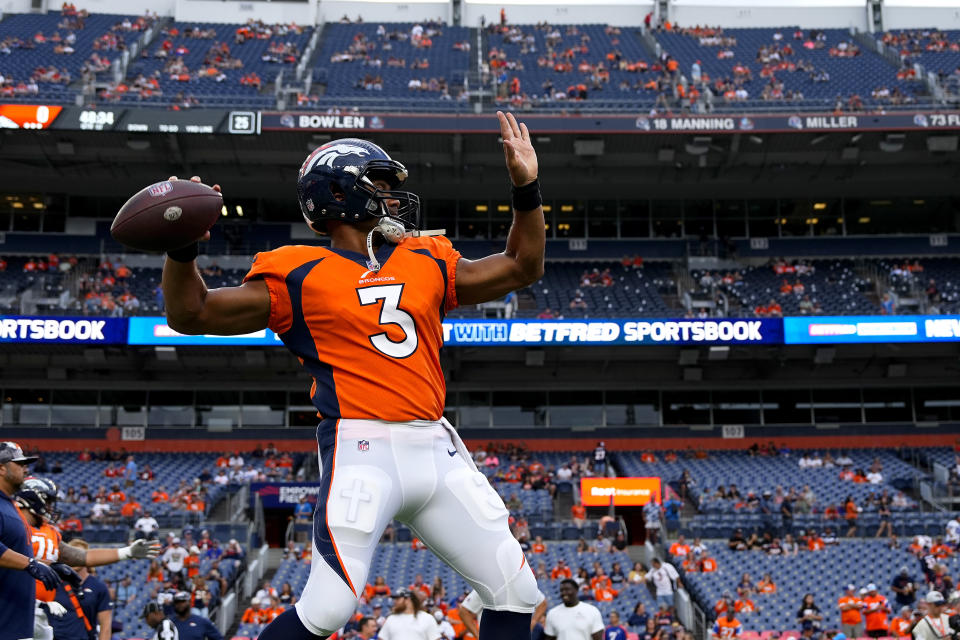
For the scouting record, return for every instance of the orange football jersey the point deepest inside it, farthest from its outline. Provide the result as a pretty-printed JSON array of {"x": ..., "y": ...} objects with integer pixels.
[
  {"x": 370, "y": 339},
  {"x": 46, "y": 547}
]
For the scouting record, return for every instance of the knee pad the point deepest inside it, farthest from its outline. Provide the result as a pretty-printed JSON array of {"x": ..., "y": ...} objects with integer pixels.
[
  {"x": 327, "y": 602},
  {"x": 519, "y": 591},
  {"x": 326, "y": 608}
]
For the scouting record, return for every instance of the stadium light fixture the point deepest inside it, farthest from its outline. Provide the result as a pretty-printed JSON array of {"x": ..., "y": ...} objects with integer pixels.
[
  {"x": 239, "y": 209},
  {"x": 138, "y": 144},
  {"x": 756, "y": 139},
  {"x": 824, "y": 355},
  {"x": 855, "y": 138},
  {"x": 481, "y": 208},
  {"x": 688, "y": 357},
  {"x": 535, "y": 357},
  {"x": 718, "y": 353},
  {"x": 819, "y": 206},
  {"x": 503, "y": 208},
  {"x": 166, "y": 354},
  {"x": 893, "y": 142},
  {"x": 223, "y": 211},
  {"x": 817, "y": 140}
]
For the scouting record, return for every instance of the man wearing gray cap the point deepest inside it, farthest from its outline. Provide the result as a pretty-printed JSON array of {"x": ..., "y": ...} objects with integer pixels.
[
  {"x": 936, "y": 624},
  {"x": 19, "y": 570}
]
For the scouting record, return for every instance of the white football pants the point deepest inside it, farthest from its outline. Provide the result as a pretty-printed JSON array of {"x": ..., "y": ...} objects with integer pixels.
[{"x": 421, "y": 474}]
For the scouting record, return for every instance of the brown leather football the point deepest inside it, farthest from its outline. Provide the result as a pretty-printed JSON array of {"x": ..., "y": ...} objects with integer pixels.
[{"x": 167, "y": 215}]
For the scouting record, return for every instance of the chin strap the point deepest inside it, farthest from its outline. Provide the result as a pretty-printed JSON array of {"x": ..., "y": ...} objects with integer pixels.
[{"x": 393, "y": 232}]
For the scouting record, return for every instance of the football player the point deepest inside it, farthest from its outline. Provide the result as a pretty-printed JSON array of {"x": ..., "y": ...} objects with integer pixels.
[
  {"x": 364, "y": 317},
  {"x": 37, "y": 500}
]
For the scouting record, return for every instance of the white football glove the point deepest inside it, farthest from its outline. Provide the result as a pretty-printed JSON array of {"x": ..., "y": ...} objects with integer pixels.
[
  {"x": 55, "y": 608},
  {"x": 139, "y": 550}
]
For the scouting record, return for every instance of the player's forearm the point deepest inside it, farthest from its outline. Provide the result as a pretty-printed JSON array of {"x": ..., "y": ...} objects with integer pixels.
[
  {"x": 184, "y": 295},
  {"x": 100, "y": 557},
  {"x": 526, "y": 244},
  {"x": 105, "y": 620},
  {"x": 13, "y": 560}
]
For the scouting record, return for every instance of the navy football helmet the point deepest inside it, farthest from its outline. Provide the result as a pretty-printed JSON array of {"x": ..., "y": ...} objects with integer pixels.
[
  {"x": 39, "y": 497},
  {"x": 336, "y": 182}
]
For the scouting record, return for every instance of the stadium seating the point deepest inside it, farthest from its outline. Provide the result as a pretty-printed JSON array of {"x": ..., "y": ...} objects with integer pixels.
[
  {"x": 216, "y": 58},
  {"x": 22, "y": 56},
  {"x": 761, "y": 473},
  {"x": 848, "y": 76},
  {"x": 524, "y": 59},
  {"x": 938, "y": 51},
  {"x": 354, "y": 64},
  {"x": 823, "y": 573}
]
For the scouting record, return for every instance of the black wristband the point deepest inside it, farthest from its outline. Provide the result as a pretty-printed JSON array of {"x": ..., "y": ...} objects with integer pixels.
[
  {"x": 527, "y": 197},
  {"x": 188, "y": 253}
]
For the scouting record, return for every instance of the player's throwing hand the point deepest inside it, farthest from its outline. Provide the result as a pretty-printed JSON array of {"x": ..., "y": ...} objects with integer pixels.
[
  {"x": 518, "y": 150},
  {"x": 141, "y": 549}
]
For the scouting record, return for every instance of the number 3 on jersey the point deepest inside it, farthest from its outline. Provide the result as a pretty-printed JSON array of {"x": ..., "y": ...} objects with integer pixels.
[{"x": 391, "y": 313}]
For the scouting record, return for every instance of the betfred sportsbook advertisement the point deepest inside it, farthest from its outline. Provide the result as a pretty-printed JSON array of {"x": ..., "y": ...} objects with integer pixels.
[
  {"x": 62, "y": 330},
  {"x": 613, "y": 332},
  {"x": 625, "y": 492}
]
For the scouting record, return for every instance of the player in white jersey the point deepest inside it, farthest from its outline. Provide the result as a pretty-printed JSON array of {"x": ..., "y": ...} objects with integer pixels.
[{"x": 573, "y": 620}]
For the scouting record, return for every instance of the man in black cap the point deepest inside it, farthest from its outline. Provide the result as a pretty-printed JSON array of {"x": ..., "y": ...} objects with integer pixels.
[
  {"x": 163, "y": 627},
  {"x": 189, "y": 625},
  {"x": 19, "y": 570}
]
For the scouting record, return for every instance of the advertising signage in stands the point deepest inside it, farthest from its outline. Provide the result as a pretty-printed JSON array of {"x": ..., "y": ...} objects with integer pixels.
[
  {"x": 595, "y": 123},
  {"x": 154, "y": 331},
  {"x": 252, "y": 122},
  {"x": 862, "y": 329},
  {"x": 617, "y": 332},
  {"x": 506, "y": 333},
  {"x": 283, "y": 494},
  {"x": 63, "y": 330},
  {"x": 625, "y": 492}
]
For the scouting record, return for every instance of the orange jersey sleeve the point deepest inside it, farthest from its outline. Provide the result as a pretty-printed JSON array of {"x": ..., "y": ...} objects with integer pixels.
[
  {"x": 371, "y": 340},
  {"x": 45, "y": 540}
]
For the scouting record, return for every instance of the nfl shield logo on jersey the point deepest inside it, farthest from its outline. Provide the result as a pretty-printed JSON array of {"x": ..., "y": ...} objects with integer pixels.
[{"x": 363, "y": 445}]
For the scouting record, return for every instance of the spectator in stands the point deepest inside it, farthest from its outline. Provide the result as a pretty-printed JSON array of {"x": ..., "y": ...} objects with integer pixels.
[
  {"x": 560, "y": 570},
  {"x": 254, "y": 614},
  {"x": 850, "y": 513},
  {"x": 304, "y": 511},
  {"x": 680, "y": 549},
  {"x": 173, "y": 558},
  {"x": 726, "y": 627},
  {"x": 126, "y": 591},
  {"x": 905, "y": 588},
  {"x": 651, "y": 521},
  {"x": 901, "y": 625},
  {"x": 155, "y": 572},
  {"x": 809, "y": 612},
  {"x": 665, "y": 579},
  {"x": 286, "y": 596},
  {"x": 876, "y": 609},
  {"x": 579, "y": 514},
  {"x": 851, "y": 618},
  {"x": 160, "y": 495}
]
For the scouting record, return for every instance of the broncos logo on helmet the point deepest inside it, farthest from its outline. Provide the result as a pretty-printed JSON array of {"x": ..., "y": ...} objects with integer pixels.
[
  {"x": 325, "y": 155},
  {"x": 39, "y": 497}
]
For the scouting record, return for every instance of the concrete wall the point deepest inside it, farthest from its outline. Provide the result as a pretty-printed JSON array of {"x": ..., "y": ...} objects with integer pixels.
[
  {"x": 914, "y": 14},
  {"x": 620, "y": 12},
  {"x": 763, "y": 13}
]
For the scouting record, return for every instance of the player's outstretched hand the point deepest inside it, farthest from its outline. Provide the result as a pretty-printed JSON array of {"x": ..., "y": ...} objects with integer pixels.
[
  {"x": 67, "y": 574},
  {"x": 141, "y": 549},
  {"x": 47, "y": 576},
  {"x": 215, "y": 187},
  {"x": 518, "y": 150}
]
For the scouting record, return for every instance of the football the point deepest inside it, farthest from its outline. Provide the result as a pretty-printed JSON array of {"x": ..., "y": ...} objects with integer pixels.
[{"x": 167, "y": 215}]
